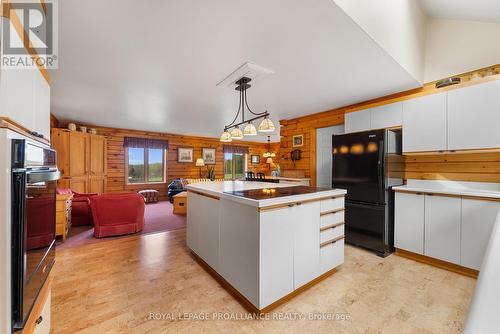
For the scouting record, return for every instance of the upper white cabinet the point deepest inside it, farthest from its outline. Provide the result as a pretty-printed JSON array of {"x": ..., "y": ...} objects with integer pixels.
[
  {"x": 17, "y": 96},
  {"x": 442, "y": 228},
  {"x": 478, "y": 219},
  {"x": 41, "y": 106},
  {"x": 25, "y": 98},
  {"x": 387, "y": 116},
  {"x": 424, "y": 123},
  {"x": 381, "y": 117},
  {"x": 409, "y": 218},
  {"x": 474, "y": 117},
  {"x": 358, "y": 121}
]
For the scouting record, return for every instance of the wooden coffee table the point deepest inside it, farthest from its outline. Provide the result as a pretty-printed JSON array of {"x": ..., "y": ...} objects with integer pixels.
[{"x": 180, "y": 203}]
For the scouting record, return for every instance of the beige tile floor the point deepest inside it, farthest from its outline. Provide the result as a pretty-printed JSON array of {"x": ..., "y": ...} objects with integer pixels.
[{"x": 114, "y": 286}]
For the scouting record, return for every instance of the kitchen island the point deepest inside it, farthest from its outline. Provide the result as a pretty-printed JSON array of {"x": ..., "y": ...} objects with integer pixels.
[{"x": 265, "y": 242}]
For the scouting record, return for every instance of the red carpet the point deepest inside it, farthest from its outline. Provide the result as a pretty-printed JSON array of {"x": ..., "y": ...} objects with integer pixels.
[{"x": 158, "y": 217}]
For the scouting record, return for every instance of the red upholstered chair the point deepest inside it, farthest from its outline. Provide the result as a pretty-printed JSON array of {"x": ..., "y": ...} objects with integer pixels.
[
  {"x": 117, "y": 214},
  {"x": 80, "y": 207}
]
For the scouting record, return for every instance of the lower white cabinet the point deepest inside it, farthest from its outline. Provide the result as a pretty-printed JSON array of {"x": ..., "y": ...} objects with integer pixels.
[
  {"x": 442, "y": 228},
  {"x": 331, "y": 255},
  {"x": 306, "y": 242},
  {"x": 409, "y": 222},
  {"x": 478, "y": 219},
  {"x": 452, "y": 229}
]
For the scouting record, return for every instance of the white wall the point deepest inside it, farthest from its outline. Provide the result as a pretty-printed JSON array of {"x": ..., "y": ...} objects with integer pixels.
[
  {"x": 397, "y": 26},
  {"x": 455, "y": 47}
]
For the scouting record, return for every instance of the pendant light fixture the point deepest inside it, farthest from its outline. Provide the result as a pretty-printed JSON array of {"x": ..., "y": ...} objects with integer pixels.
[
  {"x": 233, "y": 131},
  {"x": 226, "y": 137},
  {"x": 268, "y": 153}
]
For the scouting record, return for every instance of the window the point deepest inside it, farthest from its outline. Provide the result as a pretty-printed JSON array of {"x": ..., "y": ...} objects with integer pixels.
[
  {"x": 145, "y": 165},
  {"x": 234, "y": 165}
]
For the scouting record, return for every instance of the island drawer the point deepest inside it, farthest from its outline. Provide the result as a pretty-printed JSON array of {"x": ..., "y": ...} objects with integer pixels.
[
  {"x": 331, "y": 204},
  {"x": 331, "y": 255},
  {"x": 331, "y": 218},
  {"x": 331, "y": 233}
]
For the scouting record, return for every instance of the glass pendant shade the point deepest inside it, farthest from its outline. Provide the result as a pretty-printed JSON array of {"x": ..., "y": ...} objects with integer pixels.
[
  {"x": 250, "y": 130},
  {"x": 266, "y": 155},
  {"x": 266, "y": 125},
  {"x": 226, "y": 137},
  {"x": 236, "y": 133}
]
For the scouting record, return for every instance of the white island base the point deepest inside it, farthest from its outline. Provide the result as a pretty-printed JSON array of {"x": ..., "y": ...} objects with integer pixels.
[{"x": 268, "y": 250}]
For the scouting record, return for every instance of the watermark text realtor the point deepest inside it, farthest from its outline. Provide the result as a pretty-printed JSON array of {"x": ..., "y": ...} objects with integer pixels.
[{"x": 29, "y": 34}]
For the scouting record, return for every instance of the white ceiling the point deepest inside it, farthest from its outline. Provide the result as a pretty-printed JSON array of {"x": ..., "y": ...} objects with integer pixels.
[
  {"x": 470, "y": 10},
  {"x": 154, "y": 65}
]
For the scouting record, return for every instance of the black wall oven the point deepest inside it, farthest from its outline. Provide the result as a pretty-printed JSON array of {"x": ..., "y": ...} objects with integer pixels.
[{"x": 34, "y": 178}]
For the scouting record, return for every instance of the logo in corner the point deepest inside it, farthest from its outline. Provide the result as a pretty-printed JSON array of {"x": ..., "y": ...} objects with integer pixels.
[{"x": 29, "y": 34}]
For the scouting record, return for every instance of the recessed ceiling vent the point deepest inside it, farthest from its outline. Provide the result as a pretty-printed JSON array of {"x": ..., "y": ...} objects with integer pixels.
[{"x": 248, "y": 70}]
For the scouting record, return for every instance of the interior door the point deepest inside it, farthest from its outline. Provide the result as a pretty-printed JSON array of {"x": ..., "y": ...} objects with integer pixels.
[{"x": 324, "y": 154}]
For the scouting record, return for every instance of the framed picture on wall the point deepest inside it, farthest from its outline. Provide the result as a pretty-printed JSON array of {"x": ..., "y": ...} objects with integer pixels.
[
  {"x": 298, "y": 141},
  {"x": 208, "y": 155},
  {"x": 185, "y": 154},
  {"x": 255, "y": 159}
]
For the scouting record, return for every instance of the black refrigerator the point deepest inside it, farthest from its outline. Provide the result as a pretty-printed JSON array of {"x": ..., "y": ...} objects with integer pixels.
[{"x": 368, "y": 164}]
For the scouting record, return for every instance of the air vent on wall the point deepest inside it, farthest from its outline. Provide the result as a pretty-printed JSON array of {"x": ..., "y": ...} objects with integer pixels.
[{"x": 249, "y": 70}]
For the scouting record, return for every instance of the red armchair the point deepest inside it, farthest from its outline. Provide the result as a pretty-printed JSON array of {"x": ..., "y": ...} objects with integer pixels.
[
  {"x": 80, "y": 207},
  {"x": 117, "y": 214}
]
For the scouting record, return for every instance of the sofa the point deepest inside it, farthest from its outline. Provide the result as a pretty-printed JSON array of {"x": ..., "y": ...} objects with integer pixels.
[
  {"x": 117, "y": 214},
  {"x": 80, "y": 207}
]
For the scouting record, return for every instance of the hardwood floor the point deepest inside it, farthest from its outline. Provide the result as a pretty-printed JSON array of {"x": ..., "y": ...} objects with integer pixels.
[{"x": 114, "y": 286}]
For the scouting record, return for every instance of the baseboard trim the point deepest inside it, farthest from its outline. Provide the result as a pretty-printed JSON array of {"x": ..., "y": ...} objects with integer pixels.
[
  {"x": 244, "y": 301},
  {"x": 437, "y": 263}
]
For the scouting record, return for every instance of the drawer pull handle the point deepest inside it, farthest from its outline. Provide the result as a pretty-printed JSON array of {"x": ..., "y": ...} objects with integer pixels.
[
  {"x": 326, "y": 243},
  {"x": 39, "y": 320},
  {"x": 331, "y": 212},
  {"x": 331, "y": 226}
]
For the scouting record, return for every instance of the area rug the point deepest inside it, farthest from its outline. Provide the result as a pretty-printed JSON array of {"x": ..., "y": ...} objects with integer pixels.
[{"x": 158, "y": 217}]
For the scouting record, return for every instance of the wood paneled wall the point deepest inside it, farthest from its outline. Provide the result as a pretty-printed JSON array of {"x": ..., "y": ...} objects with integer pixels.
[
  {"x": 479, "y": 167},
  {"x": 116, "y": 158},
  {"x": 469, "y": 167}
]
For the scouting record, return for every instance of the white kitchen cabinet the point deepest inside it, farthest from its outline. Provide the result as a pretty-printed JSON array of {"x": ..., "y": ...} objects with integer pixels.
[
  {"x": 306, "y": 242},
  {"x": 474, "y": 117},
  {"x": 277, "y": 254},
  {"x": 208, "y": 237},
  {"x": 41, "y": 106},
  {"x": 424, "y": 123},
  {"x": 194, "y": 216},
  {"x": 17, "y": 96},
  {"x": 442, "y": 228},
  {"x": 409, "y": 222},
  {"x": 331, "y": 255},
  {"x": 387, "y": 116},
  {"x": 478, "y": 219},
  {"x": 358, "y": 121},
  {"x": 25, "y": 98}
]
